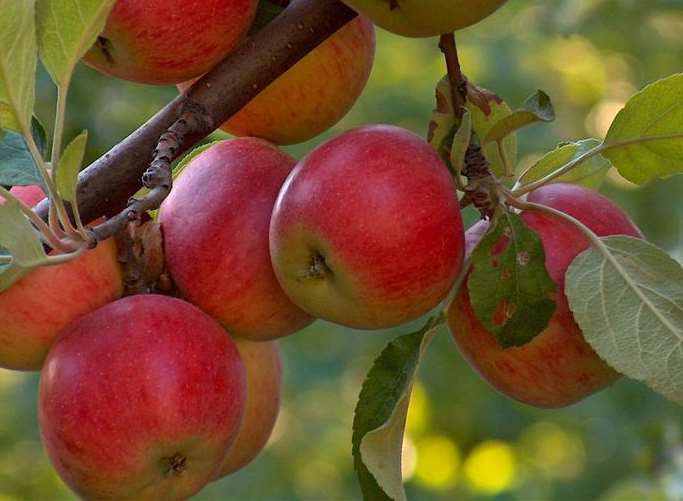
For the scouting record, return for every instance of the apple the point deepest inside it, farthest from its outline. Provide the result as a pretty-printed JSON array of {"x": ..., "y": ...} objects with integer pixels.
[
  {"x": 154, "y": 42},
  {"x": 264, "y": 389},
  {"x": 367, "y": 230},
  {"x": 215, "y": 224},
  {"x": 315, "y": 93},
  {"x": 558, "y": 367},
  {"x": 140, "y": 400},
  {"x": 41, "y": 304},
  {"x": 425, "y": 18}
]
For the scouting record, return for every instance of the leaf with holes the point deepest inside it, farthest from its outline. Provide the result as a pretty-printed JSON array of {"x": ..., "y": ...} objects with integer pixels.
[
  {"x": 66, "y": 30},
  {"x": 537, "y": 108},
  {"x": 66, "y": 175},
  {"x": 590, "y": 173},
  {"x": 380, "y": 415},
  {"x": 627, "y": 297},
  {"x": 656, "y": 115},
  {"x": 509, "y": 285},
  {"x": 18, "y": 59}
]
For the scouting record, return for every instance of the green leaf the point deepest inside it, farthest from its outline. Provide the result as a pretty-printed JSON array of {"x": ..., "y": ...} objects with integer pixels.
[
  {"x": 537, "y": 108},
  {"x": 18, "y": 236},
  {"x": 66, "y": 175},
  {"x": 66, "y": 30},
  {"x": 509, "y": 285},
  {"x": 39, "y": 136},
  {"x": 17, "y": 167},
  {"x": 627, "y": 297},
  {"x": 655, "y": 112},
  {"x": 590, "y": 173},
  {"x": 18, "y": 59},
  {"x": 380, "y": 415}
]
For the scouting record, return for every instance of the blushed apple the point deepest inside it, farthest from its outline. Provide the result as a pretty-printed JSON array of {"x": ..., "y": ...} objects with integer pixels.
[
  {"x": 557, "y": 367},
  {"x": 41, "y": 304},
  {"x": 425, "y": 18},
  {"x": 140, "y": 400},
  {"x": 315, "y": 93},
  {"x": 166, "y": 42},
  {"x": 215, "y": 224},
  {"x": 367, "y": 230},
  {"x": 264, "y": 389}
]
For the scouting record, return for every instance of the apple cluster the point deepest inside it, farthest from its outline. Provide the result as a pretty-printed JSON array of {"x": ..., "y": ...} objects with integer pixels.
[{"x": 151, "y": 396}]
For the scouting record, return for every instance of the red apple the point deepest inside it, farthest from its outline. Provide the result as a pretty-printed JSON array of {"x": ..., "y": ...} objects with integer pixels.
[
  {"x": 140, "y": 400},
  {"x": 557, "y": 367},
  {"x": 215, "y": 225},
  {"x": 264, "y": 388},
  {"x": 367, "y": 231},
  {"x": 170, "y": 41},
  {"x": 41, "y": 304},
  {"x": 315, "y": 93}
]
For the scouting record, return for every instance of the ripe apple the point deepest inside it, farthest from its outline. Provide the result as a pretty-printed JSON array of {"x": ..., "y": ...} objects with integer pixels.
[
  {"x": 367, "y": 231},
  {"x": 38, "y": 306},
  {"x": 425, "y": 18},
  {"x": 154, "y": 42},
  {"x": 140, "y": 400},
  {"x": 215, "y": 225},
  {"x": 264, "y": 378},
  {"x": 315, "y": 93},
  {"x": 558, "y": 367}
]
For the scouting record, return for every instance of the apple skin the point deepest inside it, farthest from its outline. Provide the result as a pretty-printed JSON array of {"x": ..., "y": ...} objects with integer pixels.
[
  {"x": 367, "y": 230},
  {"x": 315, "y": 93},
  {"x": 216, "y": 244},
  {"x": 264, "y": 392},
  {"x": 169, "y": 41},
  {"x": 129, "y": 391},
  {"x": 558, "y": 367},
  {"x": 41, "y": 304},
  {"x": 425, "y": 18}
]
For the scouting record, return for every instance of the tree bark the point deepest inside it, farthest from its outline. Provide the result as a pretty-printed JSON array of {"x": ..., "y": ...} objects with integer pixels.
[{"x": 106, "y": 185}]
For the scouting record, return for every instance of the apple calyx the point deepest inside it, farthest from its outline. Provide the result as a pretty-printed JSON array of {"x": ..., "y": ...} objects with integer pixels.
[
  {"x": 317, "y": 267},
  {"x": 174, "y": 465},
  {"x": 393, "y": 4}
]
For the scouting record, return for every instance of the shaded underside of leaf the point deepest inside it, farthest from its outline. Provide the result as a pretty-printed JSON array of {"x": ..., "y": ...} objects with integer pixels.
[
  {"x": 386, "y": 387},
  {"x": 509, "y": 286},
  {"x": 17, "y": 167},
  {"x": 655, "y": 111},
  {"x": 628, "y": 301}
]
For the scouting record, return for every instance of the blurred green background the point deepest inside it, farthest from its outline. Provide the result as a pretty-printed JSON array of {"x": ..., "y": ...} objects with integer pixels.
[{"x": 464, "y": 440}]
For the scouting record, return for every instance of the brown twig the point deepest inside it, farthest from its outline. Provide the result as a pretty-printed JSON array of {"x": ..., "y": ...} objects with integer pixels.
[
  {"x": 457, "y": 80},
  {"x": 105, "y": 186}
]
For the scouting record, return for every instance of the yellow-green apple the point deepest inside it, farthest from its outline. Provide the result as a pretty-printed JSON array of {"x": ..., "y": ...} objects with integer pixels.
[
  {"x": 140, "y": 400},
  {"x": 166, "y": 42},
  {"x": 367, "y": 231},
  {"x": 557, "y": 367},
  {"x": 425, "y": 18},
  {"x": 315, "y": 93},
  {"x": 37, "y": 307},
  {"x": 264, "y": 387},
  {"x": 215, "y": 224}
]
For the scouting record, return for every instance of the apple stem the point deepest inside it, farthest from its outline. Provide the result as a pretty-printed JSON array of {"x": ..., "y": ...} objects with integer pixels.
[{"x": 458, "y": 82}]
